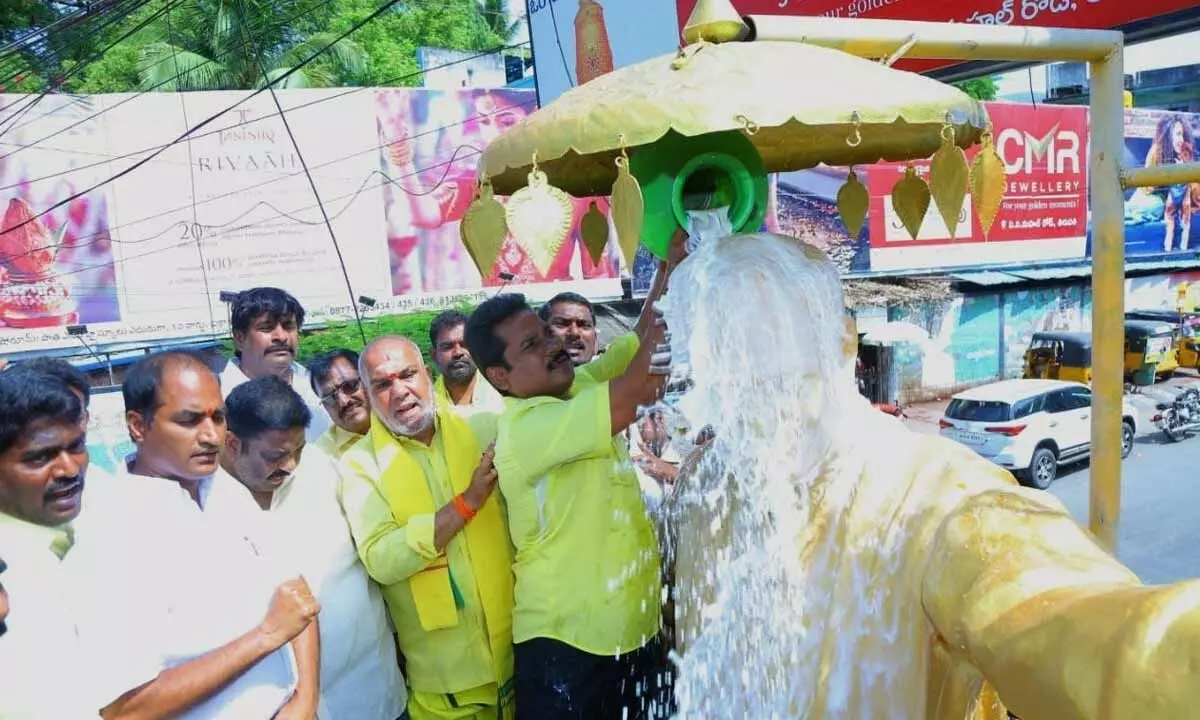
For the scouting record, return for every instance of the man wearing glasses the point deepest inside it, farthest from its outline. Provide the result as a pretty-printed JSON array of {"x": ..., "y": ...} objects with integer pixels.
[{"x": 334, "y": 378}]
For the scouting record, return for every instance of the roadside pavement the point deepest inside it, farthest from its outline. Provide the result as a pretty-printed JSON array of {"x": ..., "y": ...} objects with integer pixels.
[{"x": 924, "y": 417}]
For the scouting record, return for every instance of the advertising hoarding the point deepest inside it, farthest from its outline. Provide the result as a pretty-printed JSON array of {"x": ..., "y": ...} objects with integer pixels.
[
  {"x": 1158, "y": 221},
  {"x": 1078, "y": 14},
  {"x": 1043, "y": 216},
  {"x": 576, "y": 40},
  {"x": 146, "y": 256},
  {"x": 1044, "y": 213}
]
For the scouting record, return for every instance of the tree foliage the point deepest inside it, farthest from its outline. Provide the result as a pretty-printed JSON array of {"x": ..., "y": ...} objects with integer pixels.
[
  {"x": 217, "y": 44},
  {"x": 981, "y": 88}
]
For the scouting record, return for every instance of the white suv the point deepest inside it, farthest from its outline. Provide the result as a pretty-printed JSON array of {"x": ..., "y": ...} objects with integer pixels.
[{"x": 1030, "y": 427}]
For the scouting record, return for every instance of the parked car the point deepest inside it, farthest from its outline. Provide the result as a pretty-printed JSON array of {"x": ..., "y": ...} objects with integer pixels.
[{"x": 1031, "y": 427}]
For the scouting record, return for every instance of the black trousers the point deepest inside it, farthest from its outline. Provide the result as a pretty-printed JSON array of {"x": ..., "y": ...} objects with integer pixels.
[{"x": 555, "y": 681}]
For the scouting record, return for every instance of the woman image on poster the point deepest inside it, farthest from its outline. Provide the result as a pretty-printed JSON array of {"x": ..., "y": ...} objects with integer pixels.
[{"x": 1175, "y": 142}]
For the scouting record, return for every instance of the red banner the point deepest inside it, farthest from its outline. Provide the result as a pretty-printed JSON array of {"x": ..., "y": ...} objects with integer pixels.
[
  {"x": 1079, "y": 14},
  {"x": 1044, "y": 213}
]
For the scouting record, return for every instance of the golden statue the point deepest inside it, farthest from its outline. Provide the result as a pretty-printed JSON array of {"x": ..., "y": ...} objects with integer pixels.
[{"x": 830, "y": 563}]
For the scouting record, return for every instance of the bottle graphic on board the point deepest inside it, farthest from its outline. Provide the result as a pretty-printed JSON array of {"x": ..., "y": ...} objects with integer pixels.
[{"x": 593, "y": 53}]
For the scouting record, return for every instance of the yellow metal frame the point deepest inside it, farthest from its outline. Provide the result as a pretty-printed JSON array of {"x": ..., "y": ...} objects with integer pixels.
[{"x": 1103, "y": 50}]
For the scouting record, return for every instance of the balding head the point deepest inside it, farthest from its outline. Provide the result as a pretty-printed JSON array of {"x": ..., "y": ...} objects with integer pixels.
[{"x": 399, "y": 386}]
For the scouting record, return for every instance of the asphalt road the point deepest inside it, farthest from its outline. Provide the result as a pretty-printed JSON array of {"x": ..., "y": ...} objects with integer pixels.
[{"x": 1159, "y": 532}]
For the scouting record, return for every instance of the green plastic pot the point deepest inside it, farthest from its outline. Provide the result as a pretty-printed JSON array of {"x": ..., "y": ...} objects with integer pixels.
[{"x": 727, "y": 166}]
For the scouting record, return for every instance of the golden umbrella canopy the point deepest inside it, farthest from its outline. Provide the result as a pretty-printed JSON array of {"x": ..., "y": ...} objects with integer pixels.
[{"x": 800, "y": 105}]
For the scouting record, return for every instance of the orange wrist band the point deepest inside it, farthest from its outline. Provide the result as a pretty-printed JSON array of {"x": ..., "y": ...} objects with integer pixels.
[{"x": 464, "y": 510}]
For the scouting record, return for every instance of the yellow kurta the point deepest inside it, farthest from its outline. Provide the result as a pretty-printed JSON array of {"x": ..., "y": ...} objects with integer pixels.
[
  {"x": 587, "y": 560},
  {"x": 972, "y": 576},
  {"x": 335, "y": 441},
  {"x": 443, "y": 661}
]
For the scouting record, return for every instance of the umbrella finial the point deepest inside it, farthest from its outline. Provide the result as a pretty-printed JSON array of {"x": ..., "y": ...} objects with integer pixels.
[{"x": 714, "y": 21}]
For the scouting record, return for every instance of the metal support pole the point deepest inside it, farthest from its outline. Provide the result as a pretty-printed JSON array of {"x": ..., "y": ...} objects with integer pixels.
[
  {"x": 939, "y": 41},
  {"x": 1107, "y": 83},
  {"x": 1159, "y": 175}
]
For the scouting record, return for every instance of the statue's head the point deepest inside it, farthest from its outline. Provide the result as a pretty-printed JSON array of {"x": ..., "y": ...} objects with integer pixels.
[{"x": 760, "y": 324}]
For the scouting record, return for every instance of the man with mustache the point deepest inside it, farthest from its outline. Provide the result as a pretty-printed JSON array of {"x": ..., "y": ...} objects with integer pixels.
[
  {"x": 335, "y": 380},
  {"x": 286, "y": 500},
  {"x": 572, "y": 318},
  {"x": 266, "y": 326},
  {"x": 418, "y": 491},
  {"x": 459, "y": 385},
  {"x": 588, "y": 603},
  {"x": 43, "y": 462},
  {"x": 185, "y": 635}
]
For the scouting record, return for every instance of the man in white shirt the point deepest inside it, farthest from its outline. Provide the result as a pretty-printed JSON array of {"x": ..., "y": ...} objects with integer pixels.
[
  {"x": 43, "y": 462},
  {"x": 290, "y": 509},
  {"x": 266, "y": 326},
  {"x": 170, "y": 601}
]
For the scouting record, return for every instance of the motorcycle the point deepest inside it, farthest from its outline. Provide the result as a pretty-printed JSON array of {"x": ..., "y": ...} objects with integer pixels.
[{"x": 1180, "y": 417}]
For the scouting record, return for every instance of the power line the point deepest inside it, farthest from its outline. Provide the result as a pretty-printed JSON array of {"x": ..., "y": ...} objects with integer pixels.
[
  {"x": 225, "y": 229},
  {"x": 54, "y": 86},
  {"x": 307, "y": 10},
  {"x": 312, "y": 183},
  {"x": 318, "y": 101},
  {"x": 238, "y": 191},
  {"x": 378, "y": 11},
  {"x": 212, "y": 319},
  {"x": 172, "y": 57}
]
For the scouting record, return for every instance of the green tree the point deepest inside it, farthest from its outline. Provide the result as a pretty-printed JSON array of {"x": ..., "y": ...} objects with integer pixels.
[
  {"x": 392, "y": 39},
  {"x": 219, "y": 45},
  {"x": 495, "y": 15},
  {"x": 207, "y": 40},
  {"x": 981, "y": 88}
]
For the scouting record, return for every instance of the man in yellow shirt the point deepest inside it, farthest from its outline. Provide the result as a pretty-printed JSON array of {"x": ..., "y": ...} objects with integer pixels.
[
  {"x": 588, "y": 590},
  {"x": 572, "y": 317},
  {"x": 335, "y": 380},
  {"x": 459, "y": 385},
  {"x": 418, "y": 494}
]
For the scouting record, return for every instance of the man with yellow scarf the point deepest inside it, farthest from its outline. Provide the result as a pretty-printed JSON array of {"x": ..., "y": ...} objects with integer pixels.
[{"x": 417, "y": 490}]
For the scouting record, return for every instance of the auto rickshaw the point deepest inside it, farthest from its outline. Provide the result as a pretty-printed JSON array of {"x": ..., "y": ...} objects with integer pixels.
[
  {"x": 1059, "y": 356},
  {"x": 1149, "y": 351},
  {"x": 1187, "y": 341}
]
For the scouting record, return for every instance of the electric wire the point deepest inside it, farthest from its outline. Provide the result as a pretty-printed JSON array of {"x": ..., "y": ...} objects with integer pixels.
[
  {"x": 306, "y": 10},
  {"x": 327, "y": 218},
  {"x": 140, "y": 151},
  {"x": 557, "y": 39},
  {"x": 242, "y": 190},
  {"x": 312, "y": 183},
  {"x": 51, "y": 87},
  {"x": 173, "y": 56},
  {"x": 212, "y": 318},
  {"x": 224, "y": 228},
  {"x": 284, "y": 76}
]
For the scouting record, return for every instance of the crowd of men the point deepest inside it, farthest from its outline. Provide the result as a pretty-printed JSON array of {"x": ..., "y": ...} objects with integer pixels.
[{"x": 347, "y": 539}]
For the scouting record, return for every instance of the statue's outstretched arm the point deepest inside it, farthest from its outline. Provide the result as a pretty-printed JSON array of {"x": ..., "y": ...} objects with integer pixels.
[{"x": 1055, "y": 623}]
